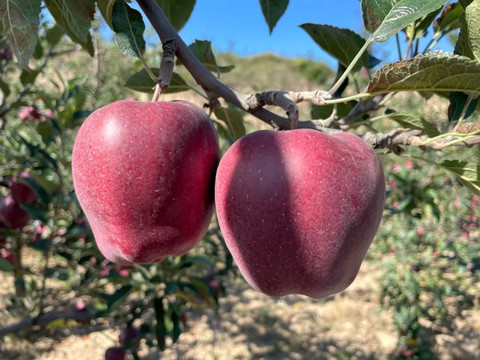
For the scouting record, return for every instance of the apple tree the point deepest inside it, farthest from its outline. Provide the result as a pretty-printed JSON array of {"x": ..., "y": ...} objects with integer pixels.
[{"x": 363, "y": 99}]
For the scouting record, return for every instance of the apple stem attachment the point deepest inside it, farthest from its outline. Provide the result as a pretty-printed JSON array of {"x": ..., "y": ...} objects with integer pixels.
[{"x": 166, "y": 68}]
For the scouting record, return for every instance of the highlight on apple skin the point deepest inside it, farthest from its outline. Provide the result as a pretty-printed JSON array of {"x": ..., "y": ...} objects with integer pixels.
[
  {"x": 144, "y": 176},
  {"x": 298, "y": 209}
]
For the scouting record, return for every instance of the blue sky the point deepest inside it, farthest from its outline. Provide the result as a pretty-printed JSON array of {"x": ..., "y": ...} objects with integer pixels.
[{"x": 239, "y": 26}]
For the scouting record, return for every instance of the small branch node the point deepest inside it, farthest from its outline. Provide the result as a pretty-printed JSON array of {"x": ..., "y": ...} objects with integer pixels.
[{"x": 166, "y": 68}]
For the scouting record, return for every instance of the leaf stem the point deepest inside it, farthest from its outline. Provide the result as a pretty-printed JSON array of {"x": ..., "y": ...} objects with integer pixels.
[
  {"x": 410, "y": 43},
  {"x": 399, "y": 47},
  {"x": 350, "y": 67},
  {"x": 347, "y": 99},
  {"x": 147, "y": 68},
  {"x": 433, "y": 43},
  {"x": 464, "y": 111}
]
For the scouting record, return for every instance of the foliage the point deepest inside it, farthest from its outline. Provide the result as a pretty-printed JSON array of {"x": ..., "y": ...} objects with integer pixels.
[
  {"x": 40, "y": 117},
  {"x": 430, "y": 234}
]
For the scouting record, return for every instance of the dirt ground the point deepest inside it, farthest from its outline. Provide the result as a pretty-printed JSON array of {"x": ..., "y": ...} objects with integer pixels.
[{"x": 250, "y": 325}]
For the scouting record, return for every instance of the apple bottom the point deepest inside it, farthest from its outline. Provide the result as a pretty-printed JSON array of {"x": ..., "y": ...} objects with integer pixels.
[{"x": 145, "y": 247}]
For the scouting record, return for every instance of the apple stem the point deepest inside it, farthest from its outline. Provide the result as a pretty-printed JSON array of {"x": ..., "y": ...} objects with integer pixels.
[{"x": 156, "y": 94}]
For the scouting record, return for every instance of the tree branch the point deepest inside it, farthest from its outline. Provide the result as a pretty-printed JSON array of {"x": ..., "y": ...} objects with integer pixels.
[
  {"x": 395, "y": 138},
  {"x": 254, "y": 103},
  {"x": 202, "y": 75},
  {"x": 42, "y": 321}
]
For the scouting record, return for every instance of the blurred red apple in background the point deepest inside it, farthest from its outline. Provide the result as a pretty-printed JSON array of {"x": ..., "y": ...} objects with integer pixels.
[
  {"x": 11, "y": 213},
  {"x": 29, "y": 113},
  {"x": 115, "y": 353},
  {"x": 144, "y": 175},
  {"x": 21, "y": 192},
  {"x": 299, "y": 209},
  {"x": 9, "y": 256}
]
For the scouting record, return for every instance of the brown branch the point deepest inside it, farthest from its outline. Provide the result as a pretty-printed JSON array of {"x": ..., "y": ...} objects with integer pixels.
[
  {"x": 200, "y": 73},
  {"x": 167, "y": 64},
  {"x": 394, "y": 138},
  {"x": 408, "y": 137},
  {"x": 277, "y": 98},
  {"x": 42, "y": 321}
]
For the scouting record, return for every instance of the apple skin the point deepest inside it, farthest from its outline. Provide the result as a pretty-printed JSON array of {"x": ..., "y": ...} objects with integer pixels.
[
  {"x": 21, "y": 192},
  {"x": 144, "y": 175},
  {"x": 115, "y": 353},
  {"x": 11, "y": 213},
  {"x": 298, "y": 209}
]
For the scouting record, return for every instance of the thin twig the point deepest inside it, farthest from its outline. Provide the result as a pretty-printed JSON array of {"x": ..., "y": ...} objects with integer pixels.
[
  {"x": 42, "y": 321},
  {"x": 200, "y": 73}
]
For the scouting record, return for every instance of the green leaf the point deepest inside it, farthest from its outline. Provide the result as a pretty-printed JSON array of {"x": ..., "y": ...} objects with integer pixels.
[
  {"x": 106, "y": 9},
  {"x": 458, "y": 100},
  {"x": 234, "y": 120},
  {"x": 321, "y": 112},
  {"x": 449, "y": 20},
  {"x": 20, "y": 20},
  {"x": 35, "y": 213},
  {"x": 178, "y": 11},
  {"x": 116, "y": 298},
  {"x": 5, "y": 88},
  {"x": 160, "y": 329},
  {"x": 373, "y": 13},
  {"x": 467, "y": 172},
  {"x": 37, "y": 186},
  {"x": 402, "y": 14},
  {"x": 420, "y": 27},
  {"x": 470, "y": 30},
  {"x": 272, "y": 11},
  {"x": 142, "y": 82},
  {"x": 129, "y": 27},
  {"x": 372, "y": 61},
  {"x": 175, "y": 318},
  {"x": 342, "y": 44},
  {"x": 433, "y": 72},
  {"x": 203, "y": 51},
  {"x": 199, "y": 260},
  {"x": 28, "y": 76},
  {"x": 411, "y": 121},
  {"x": 54, "y": 35},
  {"x": 5, "y": 265},
  {"x": 75, "y": 18}
]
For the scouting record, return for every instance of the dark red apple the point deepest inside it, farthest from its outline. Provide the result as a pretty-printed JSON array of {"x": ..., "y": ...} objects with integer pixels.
[
  {"x": 144, "y": 175},
  {"x": 299, "y": 209},
  {"x": 8, "y": 255},
  {"x": 21, "y": 192},
  {"x": 129, "y": 338},
  {"x": 115, "y": 353},
  {"x": 11, "y": 214},
  {"x": 6, "y": 54},
  {"x": 29, "y": 113}
]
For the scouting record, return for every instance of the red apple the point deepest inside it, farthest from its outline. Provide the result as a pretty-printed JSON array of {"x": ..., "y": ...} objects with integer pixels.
[
  {"x": 9, "y": 256},
  {"x": 299, "y": 209},
  {"x": 115, "y": 353},
  {"x": 21, "y": 192},
  {"x": 29, "y": 113},
  {"x": 6, "y": 54},
  {"x": 11, "y": 214},
  {"x": 144, "y": 175},
  {"x": 129, "y": 338}
]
